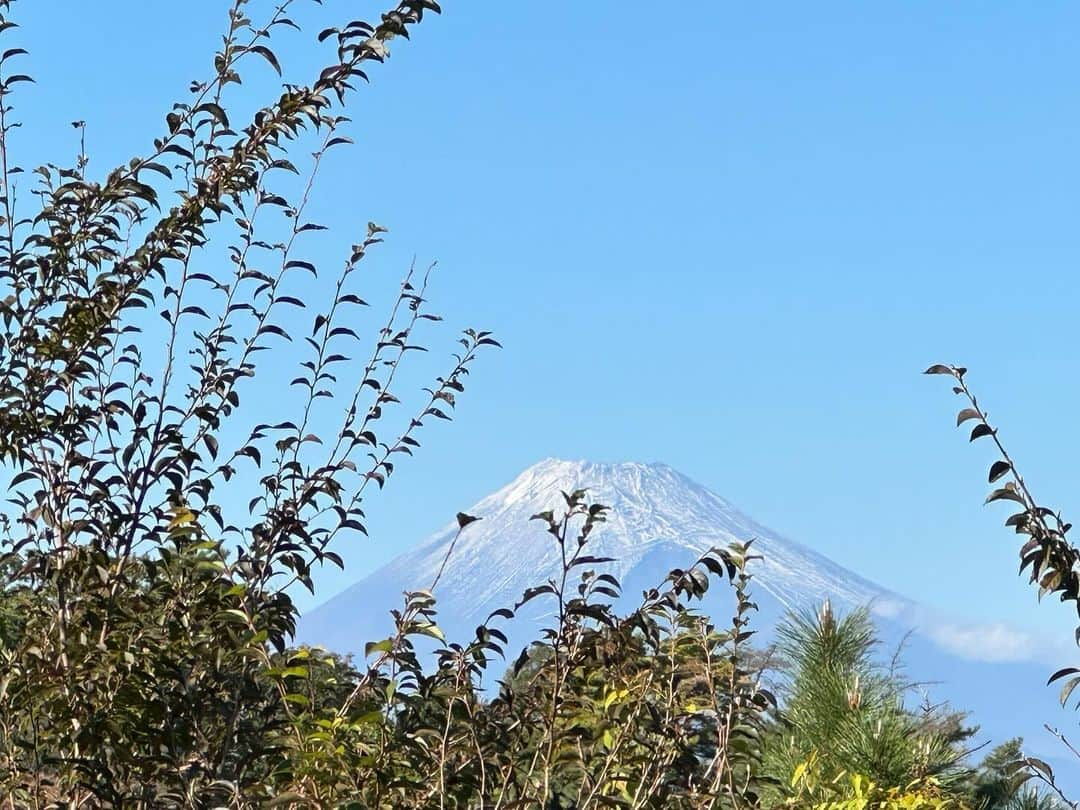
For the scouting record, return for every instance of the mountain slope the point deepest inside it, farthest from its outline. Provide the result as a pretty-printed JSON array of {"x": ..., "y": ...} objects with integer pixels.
[
  {"x": 661, "y": 519},
  {"x": 653, "y": 509}
]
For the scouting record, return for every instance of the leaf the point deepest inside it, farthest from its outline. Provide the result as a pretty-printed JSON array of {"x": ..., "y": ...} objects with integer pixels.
[
  {"x": 273, "y": 329},
  {"x": 998, "y": 469},
  {"x": 1067, "y": 690},
  {"x": 800, "y": 771},
  {"x": 182, "y": 517},
  {"x": 162, "y": 170},
  {"x": 378, "y": 646},
  {"x": 431, "y": 630},
  {"x": 464, "y": 520},
  {"x": 980, "y": 430},
  {"x": 233, "y": 614},
  {"x": 1006, "y": 493},
  {"x": 287, "y": 165},
  {"x": 1061, "y": 673},
  {"x": 215, "y": 110},
  {"x": 268, "y": 55},
  {"x": 302, "y": 264},
  {"x": 939, "y": 369},
  {"x": 532, "y": 593},
  {"x": 22, "y": 478},
  {"x": 519, "y": 662},
  {"x": 966, "y": 414}
]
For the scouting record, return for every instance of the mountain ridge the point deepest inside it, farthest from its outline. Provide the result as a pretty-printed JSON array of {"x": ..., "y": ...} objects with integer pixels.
[
  {"x": 660, "y": 519},
  {"x": 651, "y": 505}
]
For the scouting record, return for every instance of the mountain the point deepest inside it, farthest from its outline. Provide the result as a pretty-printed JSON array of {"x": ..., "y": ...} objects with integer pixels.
[{"x": 659, "y": 520}]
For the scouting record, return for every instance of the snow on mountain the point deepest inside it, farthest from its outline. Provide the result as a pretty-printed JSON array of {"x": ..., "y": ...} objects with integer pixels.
[
  {"x": 653, "y": 508},
  {"x": 661, "y": 519}
]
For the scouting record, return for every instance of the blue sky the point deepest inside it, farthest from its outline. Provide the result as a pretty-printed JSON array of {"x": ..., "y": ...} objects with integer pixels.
[{"x": 724, "y": 236}]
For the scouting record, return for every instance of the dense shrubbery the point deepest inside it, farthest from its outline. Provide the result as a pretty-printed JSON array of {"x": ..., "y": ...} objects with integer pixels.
[{"x": 145, "y": 622}]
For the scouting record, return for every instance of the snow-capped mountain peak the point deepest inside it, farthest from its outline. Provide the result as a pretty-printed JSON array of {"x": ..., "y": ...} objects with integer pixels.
[{"x": 658, "y": 519}]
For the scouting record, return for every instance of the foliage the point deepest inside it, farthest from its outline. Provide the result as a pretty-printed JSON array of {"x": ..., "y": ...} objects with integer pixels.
[
  {"x": 146, "y": 617},
  {"x": 652, "y": 709},
  {"x": 856, "y": 792},
  {"x": 844, "y": 712},
  {"x": 1052, "y": 561},
  {"x": 994, "y": 784}
]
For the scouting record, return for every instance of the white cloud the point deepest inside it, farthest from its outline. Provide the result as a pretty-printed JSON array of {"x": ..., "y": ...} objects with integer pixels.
[
  {"x": 987, "y": 642},
  {"x": 972, "y": 640}
]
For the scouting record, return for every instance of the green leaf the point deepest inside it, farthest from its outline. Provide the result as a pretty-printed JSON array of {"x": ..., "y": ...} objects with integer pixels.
[
  {"x": 431, "y": 630},
  {"x": 234, "y": 615},
  {"x": 386, "y": 645},
  {"x": 182, "y": 517},
  {"x": 800, "y": 771}
]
